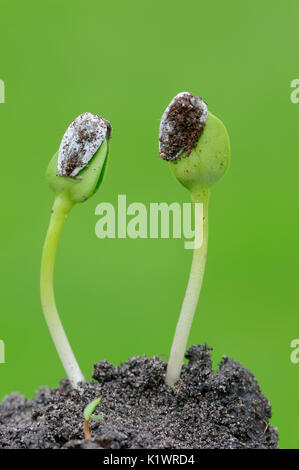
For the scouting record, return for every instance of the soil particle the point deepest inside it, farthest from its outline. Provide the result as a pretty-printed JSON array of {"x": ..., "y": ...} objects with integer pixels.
[{"x": 205, "y": 409}]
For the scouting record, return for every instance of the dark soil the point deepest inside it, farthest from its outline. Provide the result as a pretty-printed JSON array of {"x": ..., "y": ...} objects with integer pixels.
[{"x": 206, "y": 409}]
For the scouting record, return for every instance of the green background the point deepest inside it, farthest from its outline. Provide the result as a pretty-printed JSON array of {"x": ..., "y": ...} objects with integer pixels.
[{"x": 118, "y": 298}]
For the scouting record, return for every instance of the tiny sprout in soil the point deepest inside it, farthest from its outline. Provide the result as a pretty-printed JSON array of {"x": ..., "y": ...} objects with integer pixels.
[
  {"x": 88, "y": 415},
  {"x": 74, "y": 174},
  {"x": 196, "y": 144}
]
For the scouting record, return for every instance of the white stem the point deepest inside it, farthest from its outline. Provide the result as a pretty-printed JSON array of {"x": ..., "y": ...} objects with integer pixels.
[
  {"x": 191, "y": 297},
  {"x": 60, "y": 211}
]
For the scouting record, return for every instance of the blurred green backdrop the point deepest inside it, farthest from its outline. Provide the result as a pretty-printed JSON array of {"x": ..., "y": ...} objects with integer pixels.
[{"x": 118, "y": 298}]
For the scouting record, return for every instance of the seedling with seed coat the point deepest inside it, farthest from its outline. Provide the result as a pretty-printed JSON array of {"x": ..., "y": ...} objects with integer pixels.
[
  {"x": 196, "y": 144},
  {"x": 74, "y": 174}
]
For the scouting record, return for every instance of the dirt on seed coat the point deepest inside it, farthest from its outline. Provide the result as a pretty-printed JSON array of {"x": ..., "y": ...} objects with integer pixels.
[{"x": 181, "y": 126}]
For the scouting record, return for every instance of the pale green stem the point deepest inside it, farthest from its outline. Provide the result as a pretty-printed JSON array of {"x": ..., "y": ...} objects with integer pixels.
[
  {"x": 191, "y": 296},
  {"x": 61, "y": 208}
]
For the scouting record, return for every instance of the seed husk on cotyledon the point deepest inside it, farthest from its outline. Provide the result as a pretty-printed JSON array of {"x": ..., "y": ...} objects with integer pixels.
[
  {"x": 181, "y": 125},
  {"x": 80, "y": 142}
]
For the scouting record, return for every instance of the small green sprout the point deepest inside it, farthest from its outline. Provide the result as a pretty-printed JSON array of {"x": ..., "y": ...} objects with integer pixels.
[
  {"x": 196, "y": 144},
  {"x": 88, "y": 415},
  {"x": 74, "y": 174}
]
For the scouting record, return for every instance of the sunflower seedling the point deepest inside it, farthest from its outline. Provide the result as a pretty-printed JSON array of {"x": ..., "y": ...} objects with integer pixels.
[
  {"x": 88, "y": 415},
  {"x": 74, "y": 174},
  {"x": 196, "y": 144}
]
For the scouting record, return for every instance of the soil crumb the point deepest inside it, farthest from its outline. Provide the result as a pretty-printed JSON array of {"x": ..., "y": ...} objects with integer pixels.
[{"x": 205, "y": 410}]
